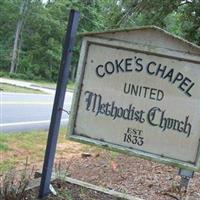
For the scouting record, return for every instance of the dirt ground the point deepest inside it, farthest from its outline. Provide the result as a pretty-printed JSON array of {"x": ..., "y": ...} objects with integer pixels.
[
  {"x": 134, "y": 176},
  {"x": 137, "y": 177}
]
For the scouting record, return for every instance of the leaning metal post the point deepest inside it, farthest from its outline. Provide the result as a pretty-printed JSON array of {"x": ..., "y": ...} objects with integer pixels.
[
  {"x": 185, "y": 177},
  {"x": 58, "y": 103}
]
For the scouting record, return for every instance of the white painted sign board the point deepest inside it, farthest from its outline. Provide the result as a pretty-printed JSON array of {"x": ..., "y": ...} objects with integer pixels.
[{"x": 138, "y": 91}]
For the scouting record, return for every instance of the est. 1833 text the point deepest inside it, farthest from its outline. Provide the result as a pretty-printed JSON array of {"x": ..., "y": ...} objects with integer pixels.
[{"x": 134, "y": 136}]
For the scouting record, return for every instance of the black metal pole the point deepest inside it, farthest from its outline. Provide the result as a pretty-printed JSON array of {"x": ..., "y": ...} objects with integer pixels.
[{"x": 58, "y": 103}]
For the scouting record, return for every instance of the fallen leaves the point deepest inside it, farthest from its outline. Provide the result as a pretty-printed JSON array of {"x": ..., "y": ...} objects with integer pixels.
[{"x": 114, "y": 165}]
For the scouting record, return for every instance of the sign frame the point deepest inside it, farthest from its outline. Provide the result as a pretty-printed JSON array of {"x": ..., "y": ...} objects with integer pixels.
[{"x": 161, "y": 52}]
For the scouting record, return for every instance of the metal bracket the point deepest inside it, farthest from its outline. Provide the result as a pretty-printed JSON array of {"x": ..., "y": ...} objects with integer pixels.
[
  {"x": 68, "y": 112},
  {"x": 185, "y": 178}
]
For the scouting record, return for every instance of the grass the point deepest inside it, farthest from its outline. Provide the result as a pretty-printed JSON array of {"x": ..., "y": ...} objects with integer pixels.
[
  {"x": 70, "y": 85},
  {"x": 17, "y": 89},
  {"x": 3, "y": 147},
  {"x": 15, "y": 148},
  {"x": 7, "y": 165},
  {"x": 66, "y": 194},
  {"x": 51, "y": 85},
  {"x": 114, "y": 154},
  {"x": 4, "y": 143}
]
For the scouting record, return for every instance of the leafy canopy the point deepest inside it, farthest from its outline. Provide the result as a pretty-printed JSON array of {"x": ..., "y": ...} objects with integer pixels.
[{"x": 44, "y": 25}]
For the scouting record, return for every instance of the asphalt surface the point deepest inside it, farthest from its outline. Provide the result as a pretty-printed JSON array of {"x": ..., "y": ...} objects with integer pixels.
[{"x": 26, "y": 112}]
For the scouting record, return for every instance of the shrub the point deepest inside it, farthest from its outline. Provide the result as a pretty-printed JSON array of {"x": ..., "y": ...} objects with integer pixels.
[
  {"x": 14, "y": 184},
  {"x": 4, "y": 74},
  {"x": 18, "y": 76}
]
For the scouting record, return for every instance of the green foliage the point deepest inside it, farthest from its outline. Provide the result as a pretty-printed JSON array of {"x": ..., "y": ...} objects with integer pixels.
[
  {"x": 173, "y": 23},
  {"x": 18, "y": 76},
  {"x": 191, "y": 21},
  {"x": 45, "y": 24},
  {"x": 14, "y": 184},
  {"x": 6, "y": 166},
  {"x": 3, "y": 74},
  {"x": 3, "y": 147},
  {"x": 7, "y": 27}
]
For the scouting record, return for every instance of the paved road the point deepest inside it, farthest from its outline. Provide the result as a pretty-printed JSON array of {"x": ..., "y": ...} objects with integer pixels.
[{"x": 23, "y": 112}]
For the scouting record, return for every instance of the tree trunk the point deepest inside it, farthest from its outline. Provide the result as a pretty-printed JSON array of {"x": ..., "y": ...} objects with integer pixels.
[
  {"x": 13, "y": 66},
  {"x": 15, "y": 47}
]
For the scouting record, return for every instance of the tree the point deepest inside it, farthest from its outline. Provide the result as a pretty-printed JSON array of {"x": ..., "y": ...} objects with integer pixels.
[
  {"x": 16, "y": 46},
  {"x": 8, "y": 22},
  {"x": 40, "y": 30},
  {"x": 190, "y": 18}
]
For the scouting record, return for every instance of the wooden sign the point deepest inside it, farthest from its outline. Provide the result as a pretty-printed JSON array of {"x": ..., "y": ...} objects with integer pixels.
[{"x": 140, "y": 95}]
